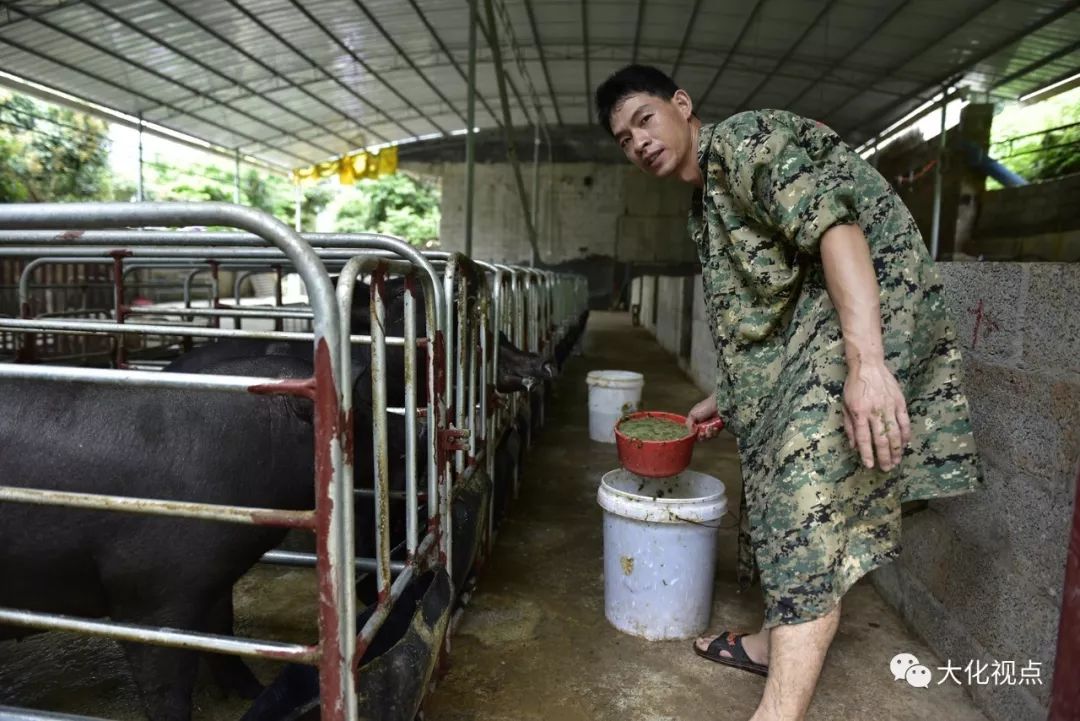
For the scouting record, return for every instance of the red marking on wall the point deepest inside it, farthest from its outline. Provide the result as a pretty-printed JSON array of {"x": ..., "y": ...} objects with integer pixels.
[{"x": 983, "y": 321}]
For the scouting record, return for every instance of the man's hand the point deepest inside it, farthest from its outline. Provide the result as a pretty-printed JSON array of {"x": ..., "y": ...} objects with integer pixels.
[
  {"x": 875, "y": 415},
  {"x": 703, "y": 411}
]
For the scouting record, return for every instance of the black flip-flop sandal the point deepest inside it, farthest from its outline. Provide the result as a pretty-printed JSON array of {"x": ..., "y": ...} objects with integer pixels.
[{"x": 732, "y": 643}]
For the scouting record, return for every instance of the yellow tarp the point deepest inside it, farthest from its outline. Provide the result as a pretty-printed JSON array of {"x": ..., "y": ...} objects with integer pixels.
[{"x": 351, "y": 168}]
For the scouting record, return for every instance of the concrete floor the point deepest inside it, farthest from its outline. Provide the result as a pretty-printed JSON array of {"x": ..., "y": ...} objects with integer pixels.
[{"x": 534, "y": 644}]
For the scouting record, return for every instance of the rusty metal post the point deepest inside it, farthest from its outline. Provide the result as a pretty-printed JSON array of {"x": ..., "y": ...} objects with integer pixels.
[
  {"x": 411, "y": 503},
  {"x": 278, "y": 323},
  {"x": 1065, "y": 698},
  {"x": 119, "y": 309},
  {"x": 333, "y": 486},
  {"x": 381, "y": 459}
]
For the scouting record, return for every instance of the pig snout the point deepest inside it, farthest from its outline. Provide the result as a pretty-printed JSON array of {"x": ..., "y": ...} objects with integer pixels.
[{"x": 520, "y": 370}]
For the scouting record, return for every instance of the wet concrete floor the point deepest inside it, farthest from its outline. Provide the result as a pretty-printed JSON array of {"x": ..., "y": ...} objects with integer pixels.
[{"x": 534, "y": 644}]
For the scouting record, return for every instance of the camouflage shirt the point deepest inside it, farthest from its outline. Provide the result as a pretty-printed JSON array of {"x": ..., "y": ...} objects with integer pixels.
[{"x": 814, "y": 520}]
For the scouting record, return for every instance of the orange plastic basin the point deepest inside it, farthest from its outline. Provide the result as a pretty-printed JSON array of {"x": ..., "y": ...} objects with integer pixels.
[{"x": 659, "y": 459}]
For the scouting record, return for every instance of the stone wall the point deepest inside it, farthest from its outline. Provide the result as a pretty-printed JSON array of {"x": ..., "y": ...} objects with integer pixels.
[
  {"x": 1040, "y": 221},
  {"x": 586, "y": 209}
]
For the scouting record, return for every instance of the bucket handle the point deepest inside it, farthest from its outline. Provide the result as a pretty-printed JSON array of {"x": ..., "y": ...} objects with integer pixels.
[{"x": 719, "y": 525}]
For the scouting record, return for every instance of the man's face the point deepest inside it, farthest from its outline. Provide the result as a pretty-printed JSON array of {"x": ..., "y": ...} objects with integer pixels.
[{"x": 654, "y": 133}]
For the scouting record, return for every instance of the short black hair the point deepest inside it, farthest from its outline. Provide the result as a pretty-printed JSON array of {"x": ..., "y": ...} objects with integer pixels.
[{"x": 627, "y": 81}]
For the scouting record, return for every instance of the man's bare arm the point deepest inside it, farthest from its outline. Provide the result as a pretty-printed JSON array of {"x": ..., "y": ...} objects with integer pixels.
[{"x": 875, "y": 413}]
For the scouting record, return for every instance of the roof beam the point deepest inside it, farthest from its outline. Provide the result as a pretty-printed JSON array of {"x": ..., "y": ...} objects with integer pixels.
[
  {"x": 747, "y": 58},
  {"x": 588, "y": 80},
  {"x": 859, "y": 44},
  {"x": 104, "y": 81},
  {"x": 1031, "y": 67},
  {"x": 188, "y": 88},
  {"x": 209, "y": 68},
  {"x": 1042, "y": 87},
  {"x": 450, "y": 57},
  {"x": 9, "y": 5},
  {"x": 922, "y": 50},
  {"x": 359, "y": 61},
  {"x": 727, "y": 58},
  {"x": 543, "y": 60},
  {"x": 686, "y": 37},
  {"x": 303, "y": 56},
  {"x": 748, "y": 66},
  {"x": 637, "y": 29},
  {"x": 513, "y": 86},
  {"x": 122, "y": 119},
  {"x": 1011, "y": 40},
  {"x": 408, "y": 59},
  {"x": 791, "y": 49}
]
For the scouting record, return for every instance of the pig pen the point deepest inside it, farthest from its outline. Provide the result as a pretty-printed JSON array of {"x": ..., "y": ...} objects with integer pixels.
[{"x": 465, "y": 419}]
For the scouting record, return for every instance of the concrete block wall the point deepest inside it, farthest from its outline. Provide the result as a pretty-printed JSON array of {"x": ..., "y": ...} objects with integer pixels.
[
  {"x": 585, "y": 209},
  {"x": 1040, "y": 221},
  {"x": 980, "y": 577}
]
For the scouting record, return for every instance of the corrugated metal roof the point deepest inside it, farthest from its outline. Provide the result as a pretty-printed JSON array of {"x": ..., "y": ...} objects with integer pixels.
[{"x": 294, "y": 82}]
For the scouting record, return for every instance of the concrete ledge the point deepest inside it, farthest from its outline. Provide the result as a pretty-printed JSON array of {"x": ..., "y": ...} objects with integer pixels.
[
  {"x": 648, "y": 302},
  {"x": 674, "y": 298}
]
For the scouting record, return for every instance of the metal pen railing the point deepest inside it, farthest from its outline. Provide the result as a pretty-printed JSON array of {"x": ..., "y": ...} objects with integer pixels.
[{"x": 466, "y": 305}]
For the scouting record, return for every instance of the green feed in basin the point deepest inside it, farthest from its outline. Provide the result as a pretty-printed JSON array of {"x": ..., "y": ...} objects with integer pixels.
[{"x": 653, "y": 429}]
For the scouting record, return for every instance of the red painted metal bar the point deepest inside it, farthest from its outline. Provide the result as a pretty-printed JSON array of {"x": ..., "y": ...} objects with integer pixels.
[
  {"x": 1065, "y": 699},
  {"x": 120, "y": 309}
]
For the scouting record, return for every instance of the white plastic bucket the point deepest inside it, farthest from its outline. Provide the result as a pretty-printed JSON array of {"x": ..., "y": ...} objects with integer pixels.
[
  {"x": 660, "y": 551},
  {"x": 612, "y": 394}
]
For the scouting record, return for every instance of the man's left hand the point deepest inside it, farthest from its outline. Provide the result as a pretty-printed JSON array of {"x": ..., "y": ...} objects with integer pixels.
[{"x": 875, "y": 415}]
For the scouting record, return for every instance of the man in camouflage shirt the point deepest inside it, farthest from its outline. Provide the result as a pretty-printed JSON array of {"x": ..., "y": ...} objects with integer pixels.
[{"x": 838, "y": 369}]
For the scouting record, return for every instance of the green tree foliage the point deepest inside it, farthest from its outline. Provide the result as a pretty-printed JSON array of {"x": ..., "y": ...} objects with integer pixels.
[
  {"x": 399, "y": 204},
  {"x": 49, "y": 153},
  {"x": 271, "y": 193},
  {"x": 1020, "y": 140}
]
